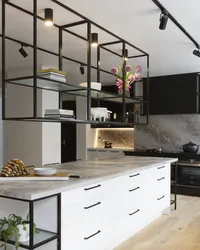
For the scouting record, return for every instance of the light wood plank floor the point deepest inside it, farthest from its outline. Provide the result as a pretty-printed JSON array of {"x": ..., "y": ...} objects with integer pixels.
[{"x": 178, "y": 231}]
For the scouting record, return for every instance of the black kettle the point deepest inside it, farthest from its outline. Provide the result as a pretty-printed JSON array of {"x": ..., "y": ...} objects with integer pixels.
[{"x": 190, "y": 147}]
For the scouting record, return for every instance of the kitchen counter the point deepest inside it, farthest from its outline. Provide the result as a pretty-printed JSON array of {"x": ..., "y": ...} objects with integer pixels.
[
  {"x": 112, "y": 149},
  {"x": 90, "y": 172},
  {"x": 169, "y": 154}
]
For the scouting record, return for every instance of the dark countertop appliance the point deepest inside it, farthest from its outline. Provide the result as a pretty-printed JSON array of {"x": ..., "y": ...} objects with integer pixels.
[
  {"x": 107, "y": 144},
  {"x": 190, "y": 147}
]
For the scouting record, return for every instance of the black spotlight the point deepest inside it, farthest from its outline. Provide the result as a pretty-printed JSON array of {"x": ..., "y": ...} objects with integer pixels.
[
  {"x": 22, "y": 51},
  {"x": 94, "y": 39},
  {"x": 48, "y": 16},
  {"x": 82, "y": 69},
  {"x": 163, "y": 21},
  {"x": 196, "y": 52}
]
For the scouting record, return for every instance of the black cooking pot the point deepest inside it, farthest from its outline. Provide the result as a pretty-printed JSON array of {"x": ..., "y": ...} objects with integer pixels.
[{"x": 190, "y": 147}]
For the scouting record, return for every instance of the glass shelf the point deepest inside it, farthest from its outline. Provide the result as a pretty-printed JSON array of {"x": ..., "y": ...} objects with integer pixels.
[
  {"x": 53, "y": 85},
  {"x": 42, "y": 83},
  {"x": 104, "y": 96},
  {"x": 39, "y": 239},
  {"x": 68, "y": 120}
]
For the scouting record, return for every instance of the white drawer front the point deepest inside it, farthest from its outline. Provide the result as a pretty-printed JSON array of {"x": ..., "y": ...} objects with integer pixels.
[
  {"x": 79, "y": 195},
  {"x": 163, "y": 171},
  {"x": 85, "y": 221}
]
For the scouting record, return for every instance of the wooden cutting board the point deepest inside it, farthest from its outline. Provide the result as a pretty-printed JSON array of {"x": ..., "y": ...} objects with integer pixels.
[{"x": 59, "y": 176}]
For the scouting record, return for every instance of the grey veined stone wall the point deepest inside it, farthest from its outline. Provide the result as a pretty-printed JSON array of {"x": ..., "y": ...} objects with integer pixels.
[{"x": 168, "y": 132}]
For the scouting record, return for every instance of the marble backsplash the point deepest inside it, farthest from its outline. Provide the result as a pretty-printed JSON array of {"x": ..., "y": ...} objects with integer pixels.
[
  {"x": 120, "y": 137},
  {"x": 168, "y": 132}
]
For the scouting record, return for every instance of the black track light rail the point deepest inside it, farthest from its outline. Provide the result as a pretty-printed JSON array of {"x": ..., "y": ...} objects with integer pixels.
[{"x": 164, "y": 10}]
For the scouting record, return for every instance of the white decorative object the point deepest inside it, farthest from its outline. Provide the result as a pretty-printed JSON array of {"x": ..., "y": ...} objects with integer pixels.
[
  {"x": 24, "y": 232},
  {"x": 94, "y": 85},
  {"x": 100, "y": 113}
]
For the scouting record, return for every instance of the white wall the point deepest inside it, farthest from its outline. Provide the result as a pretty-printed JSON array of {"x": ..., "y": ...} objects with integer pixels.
[
  {"x": 51, "y": 132},
  {"x": 22, "y": 139},
  {"x": 85, "y": 134},
  {"x": 34, "y": 143}
]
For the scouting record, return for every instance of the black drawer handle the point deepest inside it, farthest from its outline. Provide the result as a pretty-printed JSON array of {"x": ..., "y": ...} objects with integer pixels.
[
  {"x": 94, "y": 205},
  {"x": 86, "y": 189},
  {"x": 131, "y": 190},
  {"x": 191, "y": 182},
  {"x": 87, "y": 238},
  {"x": 161, "y": 198},
  {"x": 161, "y": 179},
  {"x": 134, "y": 175},
  {"x": 138, "y": 210},
  {"x": 160, "y": 167}
]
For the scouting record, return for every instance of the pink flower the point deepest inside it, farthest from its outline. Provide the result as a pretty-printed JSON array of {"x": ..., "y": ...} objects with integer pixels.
[
  {"x": 138, "y": 69},
  {"x": 119, "y": 83},
  {"x": 114, "y": 71},
  {"x": 137, "y": 77},
  {"x": 128, "y": 68}
]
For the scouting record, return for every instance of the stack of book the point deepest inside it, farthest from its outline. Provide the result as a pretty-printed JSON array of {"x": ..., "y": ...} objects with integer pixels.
[
  {"x": 59, "y": 113},
  {"x": 53, "y": 74}
]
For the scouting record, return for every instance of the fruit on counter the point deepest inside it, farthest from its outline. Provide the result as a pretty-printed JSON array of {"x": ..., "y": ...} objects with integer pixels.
[{"x": 14, "y": 168}]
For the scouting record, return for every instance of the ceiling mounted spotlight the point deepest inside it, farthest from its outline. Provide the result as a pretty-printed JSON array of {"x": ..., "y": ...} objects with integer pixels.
[
  {"x": 48, "y": 16},
  {"x": 94, "y": 39},
  {"x": 22, "y": 51},
  {"x": 126, "y": 55},
  {"x": 196, "y": 52},
  {"x": 163, "y": 20},
  {"x": 82, "y": 69}
]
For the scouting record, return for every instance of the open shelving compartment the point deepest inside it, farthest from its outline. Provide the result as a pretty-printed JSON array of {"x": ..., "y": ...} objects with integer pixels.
[
  {"x": 44, "y": 236},
  {"x": 37, "y": 82}
]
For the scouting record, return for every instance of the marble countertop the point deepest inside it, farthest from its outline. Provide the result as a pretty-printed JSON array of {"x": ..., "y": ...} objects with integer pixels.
[
  {"x": 112, "y": 149},
  {"x": 90, "y": 172}
]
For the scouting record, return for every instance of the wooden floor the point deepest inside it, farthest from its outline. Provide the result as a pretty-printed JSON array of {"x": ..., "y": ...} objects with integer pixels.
[{"x": 179, "y": 231}]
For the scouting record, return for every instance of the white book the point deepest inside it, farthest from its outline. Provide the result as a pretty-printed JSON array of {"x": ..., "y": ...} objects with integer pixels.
[
  {"x": 51, "y": 73},
  {"x": 61, "y": 79},
  {"x": 59, "y": 112},
  {"x": 59, "y": 117}
]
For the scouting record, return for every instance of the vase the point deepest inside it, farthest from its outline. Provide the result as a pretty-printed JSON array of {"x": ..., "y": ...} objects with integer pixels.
[
  {"x": 24, "y": 234},
  {"x": 127, "y": 92}
]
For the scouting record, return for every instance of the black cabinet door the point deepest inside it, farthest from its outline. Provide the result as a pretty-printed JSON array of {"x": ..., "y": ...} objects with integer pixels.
[{"x": 175, "y": 94}]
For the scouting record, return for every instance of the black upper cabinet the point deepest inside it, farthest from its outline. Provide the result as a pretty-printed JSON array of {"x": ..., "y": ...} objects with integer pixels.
[{"x": 174, "y": 94}]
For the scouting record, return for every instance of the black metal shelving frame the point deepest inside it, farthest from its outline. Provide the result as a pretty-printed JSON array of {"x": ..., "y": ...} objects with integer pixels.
[
  {"x": 65, "y": 88},
  {"x": 48, "y": 236}
]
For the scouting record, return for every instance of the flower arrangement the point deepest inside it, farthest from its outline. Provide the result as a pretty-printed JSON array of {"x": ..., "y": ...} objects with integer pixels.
[{"x": 130, "y": 77}]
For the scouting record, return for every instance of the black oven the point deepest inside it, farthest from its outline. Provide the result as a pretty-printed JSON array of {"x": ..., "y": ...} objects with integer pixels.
[{"x": 190, "y": 175}]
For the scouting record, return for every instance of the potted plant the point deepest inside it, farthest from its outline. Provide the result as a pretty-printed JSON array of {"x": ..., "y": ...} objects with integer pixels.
[{"x": 15, "y": 228}]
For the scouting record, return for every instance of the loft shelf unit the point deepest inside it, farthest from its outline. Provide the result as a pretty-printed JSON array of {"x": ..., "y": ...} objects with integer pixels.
[{"x": 37, "y": 82}]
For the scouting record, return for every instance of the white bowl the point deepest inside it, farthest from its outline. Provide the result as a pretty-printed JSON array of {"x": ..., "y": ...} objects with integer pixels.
[
  {"x": 45, "y": 171},
  {"x": 94, "y": 85}
]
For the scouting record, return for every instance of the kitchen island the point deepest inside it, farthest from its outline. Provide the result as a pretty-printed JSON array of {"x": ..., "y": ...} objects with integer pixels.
[{"x": 111, "y": 201}]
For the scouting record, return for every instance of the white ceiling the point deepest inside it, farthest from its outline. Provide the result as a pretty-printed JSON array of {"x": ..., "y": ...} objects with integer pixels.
[{"x": 135, "y": 21}]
